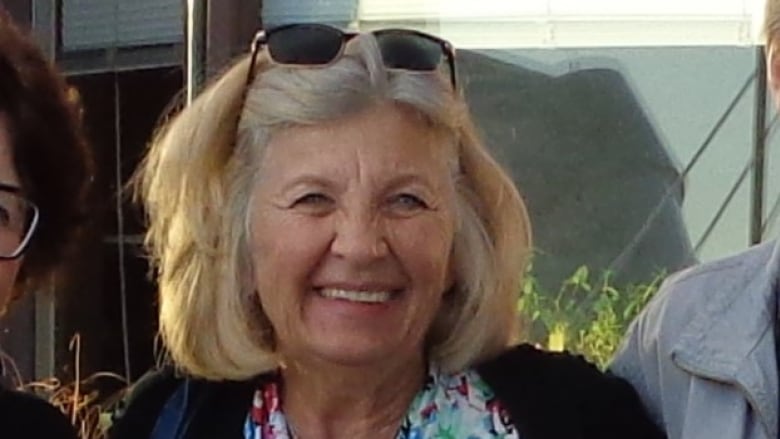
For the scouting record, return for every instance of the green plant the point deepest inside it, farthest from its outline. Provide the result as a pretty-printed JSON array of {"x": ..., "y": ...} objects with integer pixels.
[{"x": 583, "y": 316}]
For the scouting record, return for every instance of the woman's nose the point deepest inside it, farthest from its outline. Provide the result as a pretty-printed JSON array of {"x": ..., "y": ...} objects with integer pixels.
[{"x": 359, "y": 238}]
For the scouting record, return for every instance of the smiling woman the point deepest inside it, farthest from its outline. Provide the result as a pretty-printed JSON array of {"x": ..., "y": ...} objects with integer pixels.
[{"x": 340, "y": 257}]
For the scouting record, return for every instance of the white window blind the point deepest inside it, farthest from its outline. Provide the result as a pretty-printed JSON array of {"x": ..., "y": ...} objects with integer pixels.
[
  {"x": 668, "y": 8},
  {"x": 452, "y": 9},
  {"x": 572, "y": 23},
  {"x": 399, "y": 9}
]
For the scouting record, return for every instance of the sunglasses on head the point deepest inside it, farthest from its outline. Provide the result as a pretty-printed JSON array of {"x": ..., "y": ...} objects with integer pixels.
[{"x": 320, "y": 45}]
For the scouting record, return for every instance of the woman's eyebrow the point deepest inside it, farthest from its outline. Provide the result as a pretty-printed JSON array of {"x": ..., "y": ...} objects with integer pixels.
[
  {"x": 307, "y": 179},
  {"x": 410, "y": 178}
]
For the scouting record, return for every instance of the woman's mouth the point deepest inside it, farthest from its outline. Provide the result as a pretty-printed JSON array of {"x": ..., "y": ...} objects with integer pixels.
[{"x": 355, "y": 295}]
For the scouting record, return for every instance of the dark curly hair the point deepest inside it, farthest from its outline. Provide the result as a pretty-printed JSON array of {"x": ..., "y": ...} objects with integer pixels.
[{"x": 49, "y": 151}]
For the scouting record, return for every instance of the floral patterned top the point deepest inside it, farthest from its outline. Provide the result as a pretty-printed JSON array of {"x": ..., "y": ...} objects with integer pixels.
[{"x": 450, "y": 406}]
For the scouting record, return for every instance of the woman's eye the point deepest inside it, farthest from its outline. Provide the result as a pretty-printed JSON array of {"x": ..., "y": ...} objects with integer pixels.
[
  {"x": 312, "y": 200},
  {"x": 409, "y": 202}
]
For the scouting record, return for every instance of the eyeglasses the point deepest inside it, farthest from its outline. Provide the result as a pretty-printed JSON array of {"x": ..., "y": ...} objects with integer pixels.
[
  {"x": 18, "y": 220},
  {"x": 320, "y": 45}
]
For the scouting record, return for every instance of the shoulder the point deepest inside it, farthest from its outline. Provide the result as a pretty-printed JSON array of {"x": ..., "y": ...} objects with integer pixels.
[
  {"x": 684, "y": 291},
  {"x": 208, "y": 408},
  {"x": 27, "y": 416},
  {"x": 143, "y": 403},
  {"x": 559, "y": 395},
  {"x": 527, "y": 363},
  {"x": 714, "y": 285}
]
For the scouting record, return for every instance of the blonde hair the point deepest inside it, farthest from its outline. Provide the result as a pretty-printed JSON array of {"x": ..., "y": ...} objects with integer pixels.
[
  {"x": 196, "y": 185},
  {"x": 771, "y": 21}
]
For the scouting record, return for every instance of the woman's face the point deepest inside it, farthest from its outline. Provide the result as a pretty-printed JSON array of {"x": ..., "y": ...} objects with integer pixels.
[
  {"x": 352, "y": 224},
  {"x": 8, "y": 268}
]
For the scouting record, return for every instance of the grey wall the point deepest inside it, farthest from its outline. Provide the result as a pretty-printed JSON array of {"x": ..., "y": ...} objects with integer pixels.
[{"x": 589, "y": 162}]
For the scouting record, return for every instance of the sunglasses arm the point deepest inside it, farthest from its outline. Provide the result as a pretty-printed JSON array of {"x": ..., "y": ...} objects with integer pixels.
[{"x": 258, "y": 42}]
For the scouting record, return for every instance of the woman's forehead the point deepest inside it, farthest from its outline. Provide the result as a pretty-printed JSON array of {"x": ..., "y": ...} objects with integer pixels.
[{"x": 384, "y": 135}]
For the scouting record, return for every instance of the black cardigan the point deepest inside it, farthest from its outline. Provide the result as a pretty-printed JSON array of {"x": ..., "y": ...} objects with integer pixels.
[{"x": 548, "y": 396}]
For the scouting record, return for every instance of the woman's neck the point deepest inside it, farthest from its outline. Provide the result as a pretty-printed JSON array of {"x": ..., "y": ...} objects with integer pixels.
[{"x": 323, "y": 401}]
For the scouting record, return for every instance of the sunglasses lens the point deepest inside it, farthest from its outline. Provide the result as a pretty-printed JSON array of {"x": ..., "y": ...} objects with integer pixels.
[
  {"x": 305, "y": 44},
  {"x": 409, "y": 51}
]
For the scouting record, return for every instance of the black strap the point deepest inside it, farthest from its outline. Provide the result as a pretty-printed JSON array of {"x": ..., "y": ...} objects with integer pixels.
[
  {"x": 171, "y": 423},
  {"x": 142, "y": 406}
]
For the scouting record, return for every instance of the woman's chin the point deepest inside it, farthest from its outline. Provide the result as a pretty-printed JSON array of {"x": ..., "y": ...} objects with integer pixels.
[{"x": 357, "y": 350}]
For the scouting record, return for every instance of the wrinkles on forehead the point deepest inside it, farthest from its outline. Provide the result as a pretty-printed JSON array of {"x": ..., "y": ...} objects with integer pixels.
[{"x": 381, "y": 144}]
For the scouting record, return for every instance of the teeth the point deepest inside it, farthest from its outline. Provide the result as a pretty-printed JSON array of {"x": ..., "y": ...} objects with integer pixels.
[{"x": 356, "y": 296}]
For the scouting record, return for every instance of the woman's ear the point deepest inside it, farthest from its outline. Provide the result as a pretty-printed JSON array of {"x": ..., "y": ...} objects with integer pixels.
[{"x": 773, "y": 68}]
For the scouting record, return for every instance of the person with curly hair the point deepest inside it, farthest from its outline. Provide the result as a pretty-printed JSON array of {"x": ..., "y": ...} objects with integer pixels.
[{"x": 45, "y": 174}]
